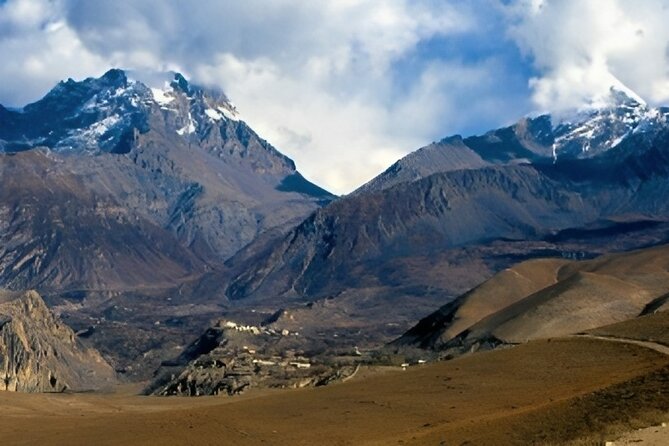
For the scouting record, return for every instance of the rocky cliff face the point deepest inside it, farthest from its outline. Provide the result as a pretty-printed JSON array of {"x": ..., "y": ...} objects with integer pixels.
[{"x": 38, "y": 353}]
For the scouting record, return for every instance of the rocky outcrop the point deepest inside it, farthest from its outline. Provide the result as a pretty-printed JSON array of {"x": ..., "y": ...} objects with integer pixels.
[{"x": 38, "y": 353}]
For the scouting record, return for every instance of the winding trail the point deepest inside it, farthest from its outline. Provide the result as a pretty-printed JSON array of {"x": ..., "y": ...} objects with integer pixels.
[{"x": 661, "y": 348}]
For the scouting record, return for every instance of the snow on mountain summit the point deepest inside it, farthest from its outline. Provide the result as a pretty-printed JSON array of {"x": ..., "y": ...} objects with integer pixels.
[
  {"x": 103, "y": 113},
  {"x": 600, "y": 125},
  {"x": 165, "y": 87}
]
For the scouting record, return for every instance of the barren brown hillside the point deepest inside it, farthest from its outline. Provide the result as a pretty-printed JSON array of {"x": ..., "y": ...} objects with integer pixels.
[{"x": 564, "y": 298}]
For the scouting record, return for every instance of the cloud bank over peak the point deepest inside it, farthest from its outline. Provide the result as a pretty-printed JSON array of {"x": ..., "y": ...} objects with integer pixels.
[
  {"x": 345, "y": 88},
  {"x": 582, "y": 48}
]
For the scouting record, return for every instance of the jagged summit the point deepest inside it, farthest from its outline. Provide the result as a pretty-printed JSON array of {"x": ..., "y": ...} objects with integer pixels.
[
  {"x": 210, "y": 105},
  {"x": 180, "y": 83},
  {"x": 96, "y": 114},
  {"x": 105, "y": 114}
]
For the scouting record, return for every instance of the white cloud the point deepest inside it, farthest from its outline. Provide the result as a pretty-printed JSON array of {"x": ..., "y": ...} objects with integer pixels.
[
  {"x": 340, "y": 141},
  {"x": 347, "y": 87},
  {"x": 314, "y": 78},
  {"x": 582, "y": 47},
  {"x": 37, "y": 48},
  {"x": 344, "y": 141},
  {"x": 344, "y": 88}
]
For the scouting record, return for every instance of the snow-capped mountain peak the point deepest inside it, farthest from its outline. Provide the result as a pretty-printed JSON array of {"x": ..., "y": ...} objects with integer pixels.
[{"x": 208, "y": 104}]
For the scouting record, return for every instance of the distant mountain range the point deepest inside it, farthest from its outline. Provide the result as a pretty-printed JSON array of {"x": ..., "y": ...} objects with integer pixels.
[
  {"x": 143, "y": 211},
  {"x": 524, "y": 183}
]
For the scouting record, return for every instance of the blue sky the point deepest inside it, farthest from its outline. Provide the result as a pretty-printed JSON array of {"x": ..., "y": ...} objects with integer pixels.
[{"x": 345, "y": 88}]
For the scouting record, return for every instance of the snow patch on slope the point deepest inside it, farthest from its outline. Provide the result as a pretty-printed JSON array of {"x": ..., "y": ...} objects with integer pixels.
[
  {"x": 189, "y": 128},
  {"x": 213, "y": 114},
  {"x": 101, "y": 127},
  {"x": 230, "y": 113},
  {"x": 161, "y": 96}
]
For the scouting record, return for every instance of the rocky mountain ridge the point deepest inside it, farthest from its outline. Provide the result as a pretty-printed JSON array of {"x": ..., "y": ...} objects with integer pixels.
[
  {"x": 545, "y": 138},
  {"x": 451, "y": 209}
]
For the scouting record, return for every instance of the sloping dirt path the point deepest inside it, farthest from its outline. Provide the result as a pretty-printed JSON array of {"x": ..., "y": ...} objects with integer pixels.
[{"x": 661, "y": 348}]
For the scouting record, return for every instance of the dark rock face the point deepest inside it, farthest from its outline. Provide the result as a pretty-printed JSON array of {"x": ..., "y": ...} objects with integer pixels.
[
  {"x": 56, "y": 233},
  {"x": 38, "y": 353}
]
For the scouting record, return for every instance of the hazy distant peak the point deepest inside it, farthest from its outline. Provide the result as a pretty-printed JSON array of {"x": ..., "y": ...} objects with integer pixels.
[{"x": 616, "y": 96}]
